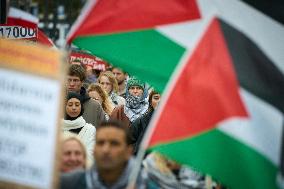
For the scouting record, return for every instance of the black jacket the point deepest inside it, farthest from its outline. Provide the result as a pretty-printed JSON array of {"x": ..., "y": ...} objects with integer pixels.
[{"x": 138, "y": 128}]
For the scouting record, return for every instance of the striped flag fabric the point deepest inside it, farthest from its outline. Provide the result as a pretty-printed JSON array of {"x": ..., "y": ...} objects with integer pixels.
[
  {"x": 131, "y": 35},
  {"x": 220, "y": 65},
  {"x": 232, "y": 104}
]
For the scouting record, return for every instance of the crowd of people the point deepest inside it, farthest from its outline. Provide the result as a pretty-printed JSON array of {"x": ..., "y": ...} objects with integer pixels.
[{"x": 103, "y": 125}]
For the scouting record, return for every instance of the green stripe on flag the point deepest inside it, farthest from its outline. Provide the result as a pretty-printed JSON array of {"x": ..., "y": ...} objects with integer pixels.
[
  {"x": 147, "y": 54},
  {"x": 225, "y": 158}
]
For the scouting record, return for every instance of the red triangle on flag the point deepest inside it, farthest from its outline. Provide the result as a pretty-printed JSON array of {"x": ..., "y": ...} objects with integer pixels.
[{"x": 205, "y": 93}]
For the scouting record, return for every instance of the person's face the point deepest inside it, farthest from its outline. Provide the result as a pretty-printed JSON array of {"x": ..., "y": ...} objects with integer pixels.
[
  {"x": 155, "y": 100},
  {"x": 136, "y": 90},
  {"x": 73, "y": 107},
  {"x": 74, "y": 84},
  {"x": 106, "y": 84},
  {"x": 119, "y": 75},
  {"x": 73, "y": 156},
  {"x": 111, "y": 149},
  {"x": 89, "y": 71},
  {"x": 96, "y": 96}
]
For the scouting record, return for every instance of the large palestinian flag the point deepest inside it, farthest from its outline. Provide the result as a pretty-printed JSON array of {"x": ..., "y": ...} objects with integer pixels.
[
  {"x": 223, "y": 113},
  {"x": 223, "y": 108}
]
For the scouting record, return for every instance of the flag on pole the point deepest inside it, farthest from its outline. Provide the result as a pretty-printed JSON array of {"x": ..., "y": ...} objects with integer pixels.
[
  {"x": 223, "y": 114},
  {"x": 138, "y": 36},
  {"x": 223, "y": 111}
]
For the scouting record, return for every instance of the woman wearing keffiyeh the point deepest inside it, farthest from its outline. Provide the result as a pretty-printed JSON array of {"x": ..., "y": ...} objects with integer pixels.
[{"x": 136, "y": 102}]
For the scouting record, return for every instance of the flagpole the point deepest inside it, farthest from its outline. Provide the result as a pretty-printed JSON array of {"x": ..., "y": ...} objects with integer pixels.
[{"x": 135, "y": 171}]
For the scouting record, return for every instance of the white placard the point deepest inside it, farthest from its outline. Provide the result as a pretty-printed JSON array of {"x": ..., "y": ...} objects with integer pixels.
[{"x": 29, "y": 106}]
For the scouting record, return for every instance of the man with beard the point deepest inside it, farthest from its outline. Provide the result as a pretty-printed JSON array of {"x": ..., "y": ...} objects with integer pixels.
[{"x": 121, "y": 77}]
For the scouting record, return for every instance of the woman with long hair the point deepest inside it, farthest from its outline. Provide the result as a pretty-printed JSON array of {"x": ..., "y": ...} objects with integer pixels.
[
  {"x": 109, "y": 84},
  {"x": 96, "y": 92}
]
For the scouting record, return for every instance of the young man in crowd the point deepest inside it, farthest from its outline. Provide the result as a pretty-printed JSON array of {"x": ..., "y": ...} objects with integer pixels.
[
  {"x": 113, "y": 161},
  {"x": 93, "y": 112},
  {"x": 121, "y": 77}
]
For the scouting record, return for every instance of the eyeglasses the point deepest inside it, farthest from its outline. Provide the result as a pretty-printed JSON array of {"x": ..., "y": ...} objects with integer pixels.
[{"x": 69, "y": 80}]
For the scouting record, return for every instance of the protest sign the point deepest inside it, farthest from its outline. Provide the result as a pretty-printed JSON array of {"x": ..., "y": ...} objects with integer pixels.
[
  {"x": 31, "y": 92},
  {"x": 89, "y": 60}
]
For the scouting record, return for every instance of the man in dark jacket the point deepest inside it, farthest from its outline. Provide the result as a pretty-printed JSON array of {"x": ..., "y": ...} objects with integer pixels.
[
  {"x": 113, "y": 161},
  {"x": 93, "y": 112}
]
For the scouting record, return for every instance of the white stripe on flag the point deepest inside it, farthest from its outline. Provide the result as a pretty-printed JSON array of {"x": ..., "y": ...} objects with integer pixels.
[
  {"x": 182, "y": 33},
  {"x": 262, "y": 131},
  {"x": 17, "y": 13}
]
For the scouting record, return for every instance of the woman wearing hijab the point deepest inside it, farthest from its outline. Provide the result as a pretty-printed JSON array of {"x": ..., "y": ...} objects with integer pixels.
[
  {"x": 136, "y": 103},
  {"x": 75, "y": 123},
  {"x": 139, "y": 126}
]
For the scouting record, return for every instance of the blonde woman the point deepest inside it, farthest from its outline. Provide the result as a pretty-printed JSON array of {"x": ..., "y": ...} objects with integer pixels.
[
  {"x": 74, "y": 155},
  {"x": 109, "y": 84},
  {"x": 97, "y": 93}
]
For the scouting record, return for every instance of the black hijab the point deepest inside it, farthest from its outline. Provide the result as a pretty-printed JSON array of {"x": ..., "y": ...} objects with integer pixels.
[{"x": 68, "y": 97}]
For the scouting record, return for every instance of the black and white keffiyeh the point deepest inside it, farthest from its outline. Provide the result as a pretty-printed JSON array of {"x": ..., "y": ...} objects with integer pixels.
[{"x": 135, "y": 107}]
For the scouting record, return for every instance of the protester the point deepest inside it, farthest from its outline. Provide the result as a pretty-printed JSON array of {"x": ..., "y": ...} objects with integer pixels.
[
  {"x": 96, "y": 92},
  {"x": 136, "y": 102},
  {"x": 75, "y": 123},
  {"x": 109, "y": 84},
  {"x": 91, "y": 76},
  {"x": 121, "y": 77},
  {"x": 164, "y": 173},
  {"x": 139, "y": 126},
  {"x": 73, "y": 154},
  {"x": 113, "y": 161},
  {"x": 93, "y": 112}
]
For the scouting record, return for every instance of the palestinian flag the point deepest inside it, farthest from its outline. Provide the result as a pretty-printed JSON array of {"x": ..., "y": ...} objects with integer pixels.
[
  {"x": 223, "y": 112},
  {"x": 138, "y": 36},
  {"x": 223, "y": 108}
]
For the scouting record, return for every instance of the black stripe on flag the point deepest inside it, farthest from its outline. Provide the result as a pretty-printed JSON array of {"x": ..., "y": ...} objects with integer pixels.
[
  {"x": 255, "y": 71},
  {"x": 272, "y": 8}
]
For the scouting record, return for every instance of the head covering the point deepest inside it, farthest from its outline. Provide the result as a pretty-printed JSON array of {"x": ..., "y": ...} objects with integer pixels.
[
  {"x": 68, "y": 97},
  {"x": 132, "y": 81}
]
